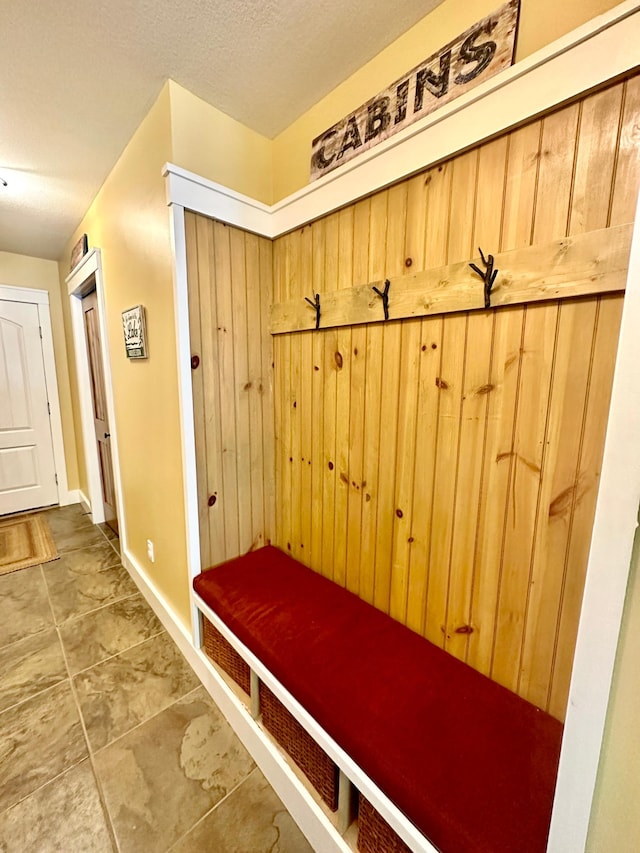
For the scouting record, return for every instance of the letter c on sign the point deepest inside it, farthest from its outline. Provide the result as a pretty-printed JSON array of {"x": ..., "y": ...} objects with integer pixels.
[{"x": 320, "y": 160}]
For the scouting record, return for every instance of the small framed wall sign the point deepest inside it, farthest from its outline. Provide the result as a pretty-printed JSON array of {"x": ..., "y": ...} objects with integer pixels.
[{"x": 135, "y": 332}]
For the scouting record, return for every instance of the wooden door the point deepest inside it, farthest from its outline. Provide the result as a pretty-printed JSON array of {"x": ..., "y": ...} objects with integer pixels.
[
  {"x": 27, "y": 467},
  {"x": 98, "y": 395}
]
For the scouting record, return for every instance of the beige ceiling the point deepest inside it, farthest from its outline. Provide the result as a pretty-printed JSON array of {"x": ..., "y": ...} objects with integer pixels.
[{"x": 78, "y": 76}]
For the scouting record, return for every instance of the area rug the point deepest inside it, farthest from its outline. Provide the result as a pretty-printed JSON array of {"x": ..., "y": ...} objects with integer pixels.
[{"x": 25, "y": 541}]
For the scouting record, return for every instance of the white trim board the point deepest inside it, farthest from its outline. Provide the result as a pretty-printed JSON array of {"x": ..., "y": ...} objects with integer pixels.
[
  {"x": 79, "y": 282},
  {"x": 591, "y": 55},
  {"x": 314, "y": 824},
  {"x": 41, "y": 299},
  {"x": 185, "y": 390}
]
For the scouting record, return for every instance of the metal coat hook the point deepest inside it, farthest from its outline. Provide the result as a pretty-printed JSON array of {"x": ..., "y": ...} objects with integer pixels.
[
  {"x": 316, "y": 307},
  {"x": 384, "y": 296},
  {"x": 488, "y": 276}
]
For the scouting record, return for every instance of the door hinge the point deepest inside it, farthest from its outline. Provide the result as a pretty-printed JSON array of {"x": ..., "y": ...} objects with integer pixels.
[
  {"x": 48, "y": 407},
  {"x": 40, "y": 330},
  {"x": 56, "y": 476}
]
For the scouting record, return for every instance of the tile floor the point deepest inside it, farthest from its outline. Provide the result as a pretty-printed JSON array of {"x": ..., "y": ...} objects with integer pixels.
[{"x": 107, "y": 740}]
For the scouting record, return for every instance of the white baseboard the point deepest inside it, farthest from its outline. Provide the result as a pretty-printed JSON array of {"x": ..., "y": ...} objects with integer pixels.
[
  {"x": 84, "y": 501},
  {"x": 318, "y": 829}
]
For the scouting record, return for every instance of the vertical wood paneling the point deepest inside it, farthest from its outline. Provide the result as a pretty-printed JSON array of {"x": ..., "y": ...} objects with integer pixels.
[
  {"x": 358, "y": 393},
  {"x": 627, "y": 174},
  {"x": 305, "y": 402},
  {"x": 230, "y": 290},
  {"x": 344, "y": 394},
  {"x": 226, "y": 385},
  {"x": 444, "y": 469},
  {"x": 318, "y": 248},
  {"x": 368, "y": 539},
  {"x": 389, "y": 396}
]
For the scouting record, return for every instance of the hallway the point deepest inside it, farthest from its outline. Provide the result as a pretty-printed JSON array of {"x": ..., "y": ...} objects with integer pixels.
[{"x": 108, "y": 742}]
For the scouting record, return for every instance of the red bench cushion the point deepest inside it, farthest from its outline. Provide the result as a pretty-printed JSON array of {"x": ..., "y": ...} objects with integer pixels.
[{"x": 469, "y": 762}]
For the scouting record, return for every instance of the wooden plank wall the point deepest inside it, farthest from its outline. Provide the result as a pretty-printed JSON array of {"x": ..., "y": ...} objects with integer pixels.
[
  {"x": 446, "y": 469},
  {"x": 230, "y": 291}
]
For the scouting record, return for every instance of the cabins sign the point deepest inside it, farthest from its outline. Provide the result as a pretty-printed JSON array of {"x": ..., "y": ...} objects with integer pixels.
[{"x": 480, "y": 52}]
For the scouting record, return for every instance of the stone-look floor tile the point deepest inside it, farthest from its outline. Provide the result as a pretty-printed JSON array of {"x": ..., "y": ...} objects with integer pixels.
[
  {"x": 107, "y": 531},
  {"x": 39, "y": 740},
  {"x": 168, "y": 773},
  {"x": 92, "y": 638},
  {"x": 125, "y": 690},
  {"x": 65, "y": 815},
  {"x": 72, "y": 529},
  {"x": 84, "y": 580},
  {"x": 30, "y": 666},
  {"x": 251, "y": 818},
  {"x": 24, "y": 605}
]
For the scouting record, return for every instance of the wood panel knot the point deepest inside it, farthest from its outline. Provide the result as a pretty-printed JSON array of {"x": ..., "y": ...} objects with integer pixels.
[
  {"x": 338, "y": 360},
  {"x": 399, "y": 513},
  {"x": 440, "y": 383},
  {"x": 485, "y": 389},
  {"x": 464, "y": 629},
  {"x": 247, "y": 386},
  {"x": 330, "y": 465}
]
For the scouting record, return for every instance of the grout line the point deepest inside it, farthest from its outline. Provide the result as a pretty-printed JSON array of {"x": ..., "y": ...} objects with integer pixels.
[
  {"x": 152, "y": 717},
  {"x": 44, "y": 785},
  {"x": 90, "y": 755},
  {"x": 213, "y": 808},
  {"x": 121, "y": 652}
]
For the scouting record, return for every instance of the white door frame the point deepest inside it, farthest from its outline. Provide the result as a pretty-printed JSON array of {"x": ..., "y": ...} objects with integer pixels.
[
  {"x": 41, "y": 299},
  {"x": 80, "y": 281}
]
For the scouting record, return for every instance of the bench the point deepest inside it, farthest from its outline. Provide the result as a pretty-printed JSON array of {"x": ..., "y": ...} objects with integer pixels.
[{"x": 472, "y": 765}]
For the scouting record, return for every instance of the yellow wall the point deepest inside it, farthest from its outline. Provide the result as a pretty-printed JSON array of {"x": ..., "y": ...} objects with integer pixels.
[
  {"x": 541, "y": 21},
  {"x": 615, "y": 817},
  {"x": 129, "y": 221},
  {"x": 219, "y": 148},
  {"x": 23, "y": 271}
]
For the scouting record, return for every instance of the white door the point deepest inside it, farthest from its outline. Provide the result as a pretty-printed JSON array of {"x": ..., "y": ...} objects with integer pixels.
[{"x": 27, "y": 468}]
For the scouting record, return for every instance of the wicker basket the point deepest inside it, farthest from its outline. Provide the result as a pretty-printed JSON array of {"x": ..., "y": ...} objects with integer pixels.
[
  {"x": 298, "y": 743},
  {"x": 227, "y": 658},
  {"x": 374, "y": 833}
]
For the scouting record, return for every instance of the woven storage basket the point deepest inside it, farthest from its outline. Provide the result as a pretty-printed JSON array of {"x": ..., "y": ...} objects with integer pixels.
[
  {"x": 374, "y": 833},
  {"x": 298, "y": 743},
  {"x": 227, "y": 658}
]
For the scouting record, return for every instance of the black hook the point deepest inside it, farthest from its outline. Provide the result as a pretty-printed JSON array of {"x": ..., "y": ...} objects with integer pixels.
[
  {"x": 489, "y": 276},
  {"x": 316, "y": 307},
  {"x": 384, "y": 296}
]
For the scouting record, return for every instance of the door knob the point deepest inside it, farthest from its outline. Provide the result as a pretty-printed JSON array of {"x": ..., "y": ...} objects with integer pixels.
[{"x": 107, "y": 435}]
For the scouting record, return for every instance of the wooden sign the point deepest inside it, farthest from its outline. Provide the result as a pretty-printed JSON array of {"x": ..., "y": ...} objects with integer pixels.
[
  {"x": 480, "y": 52},
  {"x": 135, "y": 332},
  {"x": 79, "y": 251}
]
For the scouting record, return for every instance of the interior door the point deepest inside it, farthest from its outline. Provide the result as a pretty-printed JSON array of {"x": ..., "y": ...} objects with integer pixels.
[
  {"x": 27, "y": 466},
  {"x": 96, "y": 370}
]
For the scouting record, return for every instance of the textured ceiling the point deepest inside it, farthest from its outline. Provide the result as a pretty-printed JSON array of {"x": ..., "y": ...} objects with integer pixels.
[{"x": 79, "y": 76}]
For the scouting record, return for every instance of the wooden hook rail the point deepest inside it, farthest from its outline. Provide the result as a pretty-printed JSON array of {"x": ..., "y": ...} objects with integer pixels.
[{"x": 587, "y": 264}]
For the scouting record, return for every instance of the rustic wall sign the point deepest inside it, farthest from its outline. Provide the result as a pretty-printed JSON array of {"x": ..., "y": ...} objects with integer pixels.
[
  {"x": 135, "y": 332},
  {"x": 79, "y": 251},
  {"x": 480, "y": 52}
]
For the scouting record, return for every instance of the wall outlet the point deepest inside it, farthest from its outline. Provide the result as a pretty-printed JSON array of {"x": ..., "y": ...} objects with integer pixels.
[{"x": 150, "y": 552}]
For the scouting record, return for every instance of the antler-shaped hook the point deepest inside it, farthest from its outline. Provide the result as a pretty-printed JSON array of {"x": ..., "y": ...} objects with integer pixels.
[
  {"x": 488, "y": 276},
  {"x": 384, "y": 296},
  {"x": 316, "y": 307}
]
